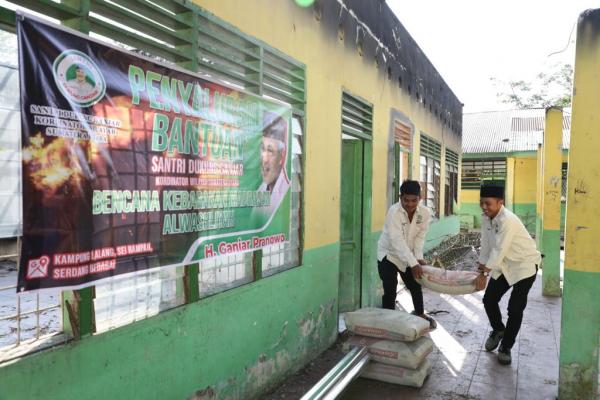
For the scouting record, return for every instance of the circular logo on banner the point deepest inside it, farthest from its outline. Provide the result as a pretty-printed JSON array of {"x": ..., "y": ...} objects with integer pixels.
[{"x": 78, "y": 78}]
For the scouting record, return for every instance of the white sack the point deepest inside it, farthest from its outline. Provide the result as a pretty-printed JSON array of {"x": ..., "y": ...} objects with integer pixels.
[
  {"x": 386, "y": 324},
  {"x": 400, "y": 354},
  {"x": 398, "y": 375},
  {"x": 449, "y": 282}
]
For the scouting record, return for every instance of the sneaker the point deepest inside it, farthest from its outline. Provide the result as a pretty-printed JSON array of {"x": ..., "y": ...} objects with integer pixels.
[
  {"x": 504, "y": 357},
  {"x": 432, "y": 323},
  {"x": 494, "y": 340}
]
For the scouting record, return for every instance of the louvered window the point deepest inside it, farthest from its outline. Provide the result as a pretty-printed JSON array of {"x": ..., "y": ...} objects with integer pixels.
[
  {"x": 476, "y": 171},
  {"x": 430, "y": 168},
  {"x": 403, "y": 138},
  {"x": 403, "y": 135},
  {"x": 451, "y": 193},
  {"x": 357, "y": 117}
]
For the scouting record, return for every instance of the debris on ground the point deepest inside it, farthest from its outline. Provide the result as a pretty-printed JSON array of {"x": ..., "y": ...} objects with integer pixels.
[
  {"x": 304, "y": 379},
  {"x": 459, "y": 252}
]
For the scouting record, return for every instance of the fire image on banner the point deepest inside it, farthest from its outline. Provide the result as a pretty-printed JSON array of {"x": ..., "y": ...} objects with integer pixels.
[{"x": 129, "y": 164}]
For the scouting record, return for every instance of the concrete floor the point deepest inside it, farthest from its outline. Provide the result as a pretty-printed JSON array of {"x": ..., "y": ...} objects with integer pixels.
[{"x": 462, "y": 369}]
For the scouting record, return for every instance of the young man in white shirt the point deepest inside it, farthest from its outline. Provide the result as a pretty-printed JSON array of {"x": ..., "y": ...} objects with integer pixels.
[
  {"x": 509, "y": 255},
  {"x": 400, "y": 248}
]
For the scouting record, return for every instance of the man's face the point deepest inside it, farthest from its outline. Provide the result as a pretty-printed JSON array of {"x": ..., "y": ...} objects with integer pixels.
[
  {"x": 80, "y": 73},
  {"x": 490, "y": 206},
  {"x": 270, "y": 160},
  {"x": 409, "y": 202}
]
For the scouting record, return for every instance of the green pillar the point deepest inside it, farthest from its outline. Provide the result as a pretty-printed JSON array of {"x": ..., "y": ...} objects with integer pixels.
[
  {"x": 580, "y": 326},
  {"x": 78, "y": 305},
  {"x": 552, "y": 186}
]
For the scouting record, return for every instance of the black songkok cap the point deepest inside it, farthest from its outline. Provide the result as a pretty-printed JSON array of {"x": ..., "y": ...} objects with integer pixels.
[
  {"x": 274, "y": 126},
  {"x": 492, "y": 190},
  {"x": 410, "y": 187}
]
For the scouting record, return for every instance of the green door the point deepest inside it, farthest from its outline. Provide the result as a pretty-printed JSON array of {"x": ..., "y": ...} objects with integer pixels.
[{"x": 351, "y": 222}]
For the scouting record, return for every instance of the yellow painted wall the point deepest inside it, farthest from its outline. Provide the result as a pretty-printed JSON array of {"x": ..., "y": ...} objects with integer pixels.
[
  {"x": 470, "y": 196},
  {"x": 330, "y": 67},
  {"x": 525, "y": 180}
]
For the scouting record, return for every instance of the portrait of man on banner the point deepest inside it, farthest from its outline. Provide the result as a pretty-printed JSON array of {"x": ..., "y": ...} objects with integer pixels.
[
  {"x": 79, "y": 81},
  {"x": 273, "y": 153}
]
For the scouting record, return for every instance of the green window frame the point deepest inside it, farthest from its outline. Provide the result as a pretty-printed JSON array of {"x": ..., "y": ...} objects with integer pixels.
[
  {"x": 357, "y": 117},
  {"x": 451, "y": 178},
  {"x": 430, "y": 173}
]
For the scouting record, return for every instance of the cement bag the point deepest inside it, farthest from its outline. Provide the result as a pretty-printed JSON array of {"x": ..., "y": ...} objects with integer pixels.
[
  {"x": 401, "y": 354},
  {"x": 450, "y": 282},
  {"x": 386, "y": 324},
  {"x": 398, "y": 375}
]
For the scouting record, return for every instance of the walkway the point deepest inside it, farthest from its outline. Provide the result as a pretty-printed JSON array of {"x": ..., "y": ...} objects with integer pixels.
[{"x": 462, "y": 369}]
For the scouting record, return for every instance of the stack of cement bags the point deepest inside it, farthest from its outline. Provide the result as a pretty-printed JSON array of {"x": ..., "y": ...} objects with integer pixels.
[{"x": 396, "y": 342}]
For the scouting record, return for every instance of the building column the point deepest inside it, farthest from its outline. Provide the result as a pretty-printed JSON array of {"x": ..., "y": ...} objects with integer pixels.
[
  {"x": 509, "y": 189},
  {"x": 538, "y": 198},
  {"x": 552, "y": 186},
  {"x": 580, "y": 325}
]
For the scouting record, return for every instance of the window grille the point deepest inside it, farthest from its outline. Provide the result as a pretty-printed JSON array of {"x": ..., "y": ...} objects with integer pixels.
[
  {"x": 476, "y": 171},
  {"x": 451, "y": 194},
  {"x": 357, "y": 117},
  {"x": 430, "y": 173},
  {"x": 182, "y": 33}
]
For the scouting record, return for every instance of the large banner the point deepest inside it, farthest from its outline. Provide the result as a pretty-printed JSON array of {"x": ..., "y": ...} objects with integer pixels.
[{"x": 130, "y": 164}]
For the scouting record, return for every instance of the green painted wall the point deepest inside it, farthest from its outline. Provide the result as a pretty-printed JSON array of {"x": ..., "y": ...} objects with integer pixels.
[
  {"x": 371, "y": 288},
  {"x": 470, "y": 215},
  {"x": 563, "y": 216},
  {"x": 238, "y": 344},
  {"x": 551, "y": 249},
  {"x": 472, "y": 212},
  {"x": 580, "y": 332},
  {"x": 442, "y": 229}
]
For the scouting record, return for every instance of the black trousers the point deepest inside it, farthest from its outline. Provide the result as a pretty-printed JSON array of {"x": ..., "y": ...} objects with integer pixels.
[
  {"x": 389, "y": 277},
  {"x": 516, "y": 305}
]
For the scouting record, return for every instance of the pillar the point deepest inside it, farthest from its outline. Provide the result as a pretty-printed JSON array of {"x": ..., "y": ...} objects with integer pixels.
[
  {"x": 509, "y": 188},
  {"x": 580, "y": 325},
  {"x": 552, "y": 185},
  {"x": 538, "y": 198}
]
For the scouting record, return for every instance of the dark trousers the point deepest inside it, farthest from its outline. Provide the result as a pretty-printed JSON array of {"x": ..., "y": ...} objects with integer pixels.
[
  {"x": 389, "y": 276},
  {"x": 516, "y": 305}
]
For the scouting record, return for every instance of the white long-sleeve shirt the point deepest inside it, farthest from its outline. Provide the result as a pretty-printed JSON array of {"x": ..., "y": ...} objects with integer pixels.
[
  {"x": 402, "y": 241},
  {"x": 279, "y": 190},
  {"x": 507, "y": 248}
]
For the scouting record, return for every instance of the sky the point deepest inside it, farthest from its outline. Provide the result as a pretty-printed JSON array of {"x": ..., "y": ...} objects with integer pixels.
[{"x": 471, "y": 41}]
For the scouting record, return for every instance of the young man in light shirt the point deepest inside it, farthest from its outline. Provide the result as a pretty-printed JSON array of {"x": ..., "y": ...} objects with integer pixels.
[
  {"x": 509, "y": 256},
  {"x": 400, "y": 248}
]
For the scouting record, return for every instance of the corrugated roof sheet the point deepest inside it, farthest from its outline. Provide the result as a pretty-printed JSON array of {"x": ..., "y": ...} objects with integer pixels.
[{"x": 508, "y": 131}]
